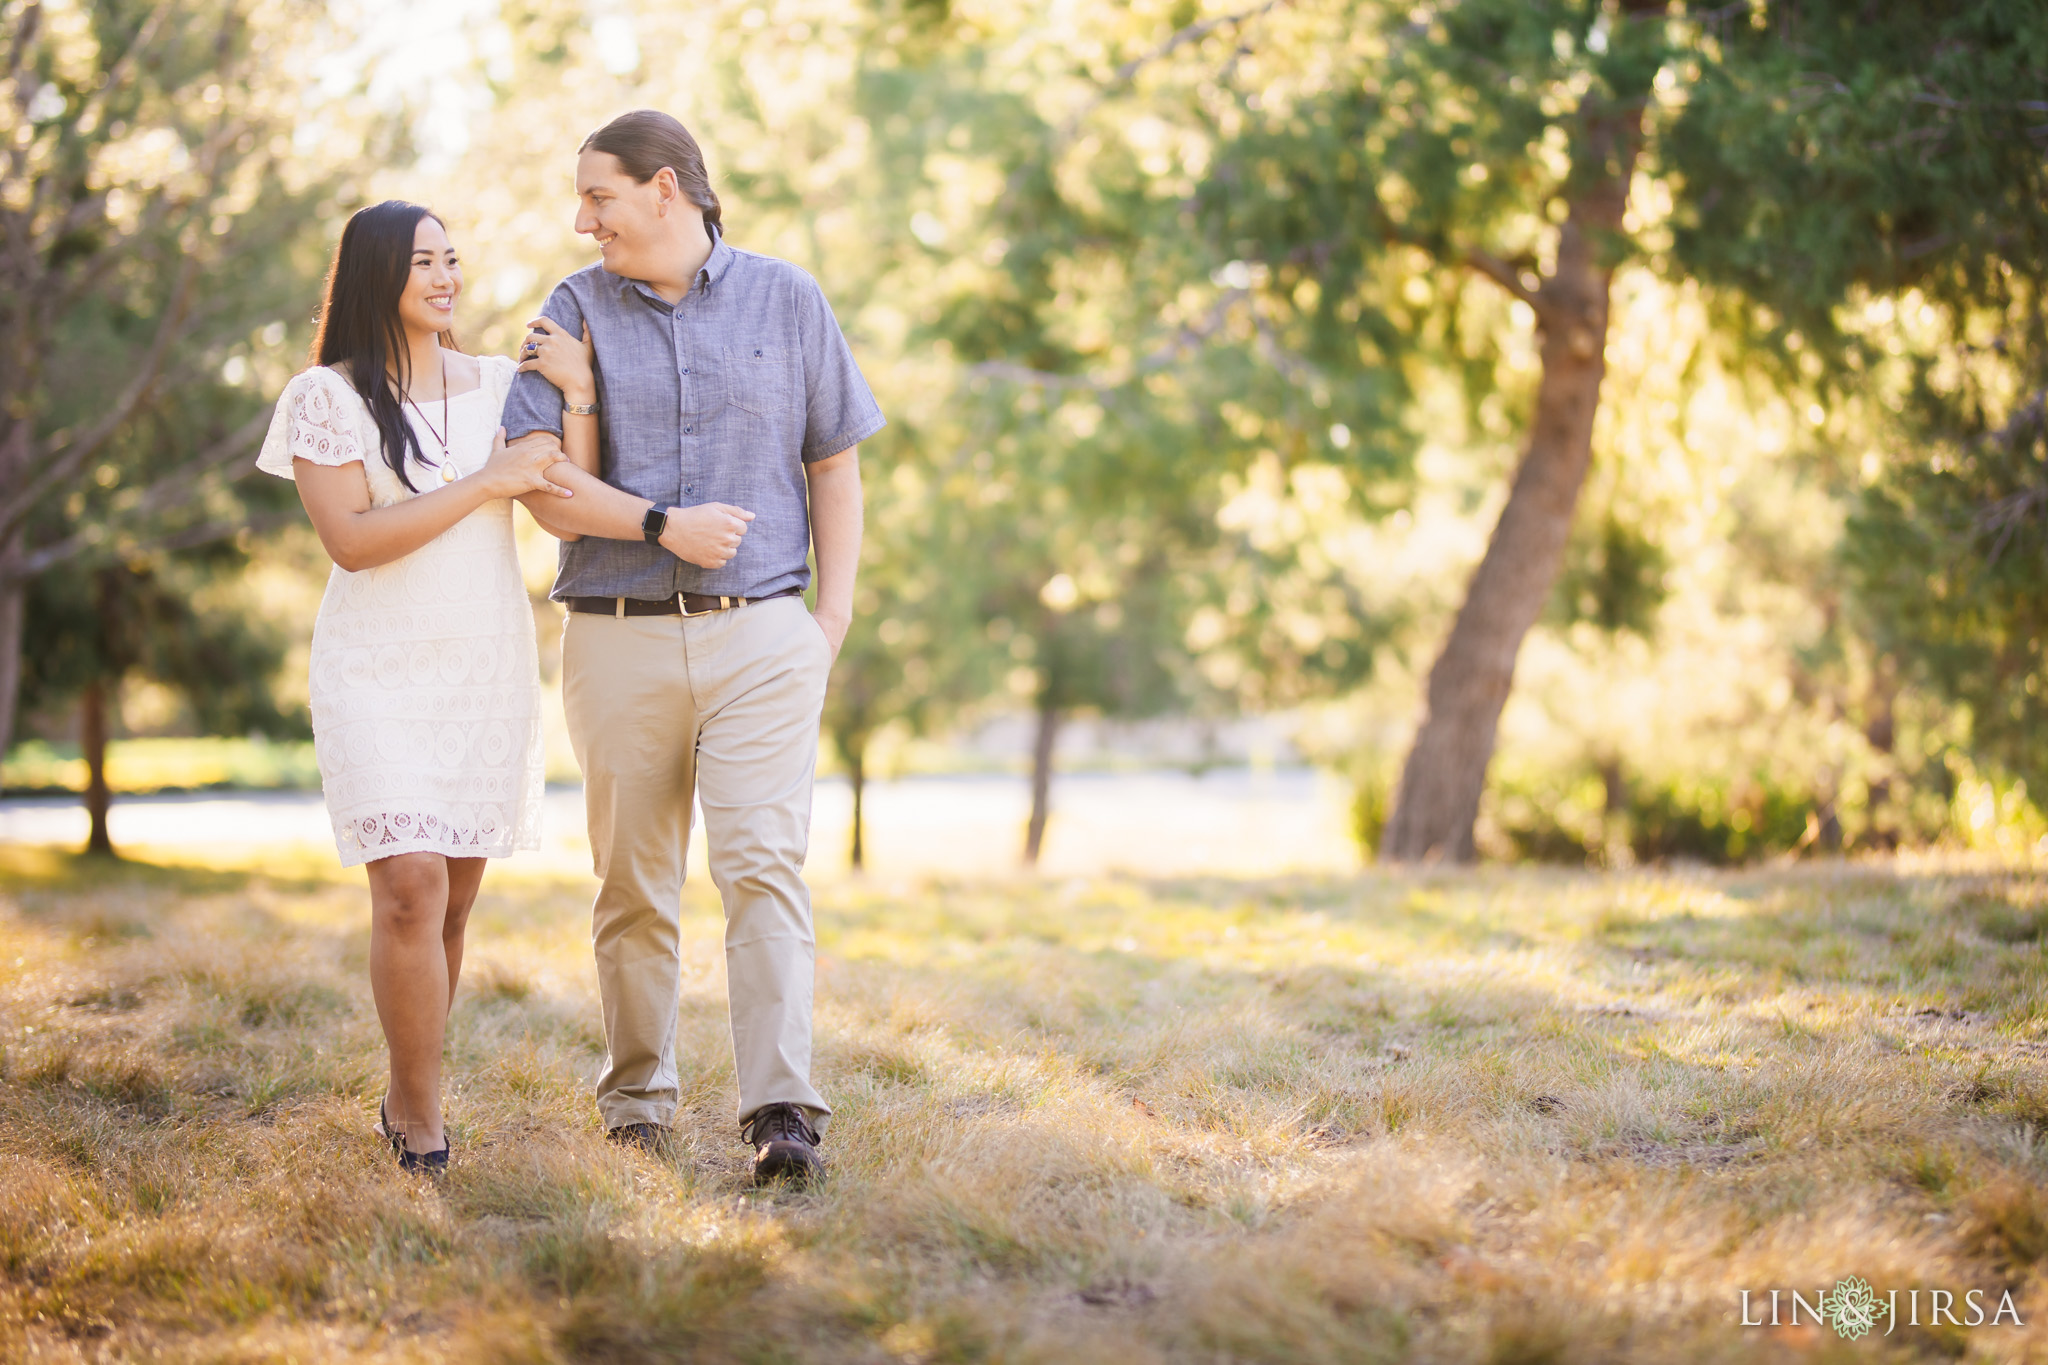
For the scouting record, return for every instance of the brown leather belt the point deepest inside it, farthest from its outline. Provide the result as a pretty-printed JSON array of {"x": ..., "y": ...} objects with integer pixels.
[{"x": 682, "y": 604}]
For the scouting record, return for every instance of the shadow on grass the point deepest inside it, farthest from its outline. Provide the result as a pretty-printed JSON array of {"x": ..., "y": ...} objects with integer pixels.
[
  {"x": 1312, "y": 1120},
  {"x": 1363, "y": 983},
  {"x": 50, "y": 869}
]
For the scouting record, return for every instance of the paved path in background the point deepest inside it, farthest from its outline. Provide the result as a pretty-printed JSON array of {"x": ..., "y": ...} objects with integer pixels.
[{"x": 1228, "y": 821}]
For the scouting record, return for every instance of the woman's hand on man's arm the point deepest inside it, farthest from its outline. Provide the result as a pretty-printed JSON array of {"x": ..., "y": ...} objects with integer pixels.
[
  {"x": 546, "y": 505},
  {"x": 359, "y": 535},
  {"x": 597, "y": 509},
  {"x": 707, "y": 535}
]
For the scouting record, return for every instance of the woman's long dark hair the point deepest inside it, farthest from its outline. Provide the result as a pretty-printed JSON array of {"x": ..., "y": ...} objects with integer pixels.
[{"x": 359, "y": 318}]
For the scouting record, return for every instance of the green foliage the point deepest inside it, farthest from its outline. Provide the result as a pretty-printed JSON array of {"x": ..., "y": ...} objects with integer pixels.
[
  {"x": 1727, "y": 818},
  {"x": 1374, "y": 177},
  {"x": 154, "y": 765},
  {"x": 1370, "y": 801},
  {"x": 1102, "y": 404},
  {"x": 1613, "y": 577},
  {"x": 1687, "y": 819},
  {"x": 1145, "y": 286},
  {"x": 916, "y": 649},
  {"x": 167, "y": 229},
  {"x": 1951, "y": 550},
  {"x": 1866, "y": 189},
  {"x": 1713, "y": 824},
  {"x": 165, "y": 621},
  {"x": 1830, "y": 147}
]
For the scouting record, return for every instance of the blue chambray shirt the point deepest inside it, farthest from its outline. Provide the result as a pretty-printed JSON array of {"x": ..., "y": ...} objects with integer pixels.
[{"x": 723, "y": 397}]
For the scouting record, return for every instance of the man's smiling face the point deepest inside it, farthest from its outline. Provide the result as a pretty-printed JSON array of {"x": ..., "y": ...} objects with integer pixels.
[{"x": 627, "y": 219}]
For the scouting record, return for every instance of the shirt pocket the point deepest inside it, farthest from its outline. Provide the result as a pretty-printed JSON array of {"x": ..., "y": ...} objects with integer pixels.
[{"x": 762, "y": 379}]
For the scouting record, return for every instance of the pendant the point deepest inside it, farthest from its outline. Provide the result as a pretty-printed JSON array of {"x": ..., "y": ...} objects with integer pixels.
[{"x": 447, "y": 474}]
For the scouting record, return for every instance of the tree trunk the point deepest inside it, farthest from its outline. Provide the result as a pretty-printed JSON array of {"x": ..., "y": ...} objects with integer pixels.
[
  {"x": 13, "y": 593},
  {"x": 13, "y": 610},
  {"x": 1614, "y": 830},
  {"x": 1438, "y": 798},
  {"x": 92, "y": 738},
  {"x": 857, "y": 777},
  {"x": 1041, "y": 780},
  {"x": 1880, "y": 830}
]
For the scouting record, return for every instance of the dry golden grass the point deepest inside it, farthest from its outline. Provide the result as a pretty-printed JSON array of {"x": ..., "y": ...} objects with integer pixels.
[{"x": 1498, "y": 1116}]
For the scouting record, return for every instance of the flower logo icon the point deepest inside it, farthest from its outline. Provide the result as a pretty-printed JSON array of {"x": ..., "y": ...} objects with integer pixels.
[{"x": 1851, "y": 1307}]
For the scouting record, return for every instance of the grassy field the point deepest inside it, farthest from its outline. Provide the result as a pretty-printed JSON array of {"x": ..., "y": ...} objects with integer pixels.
[{"x": 1495, "y": 1116}]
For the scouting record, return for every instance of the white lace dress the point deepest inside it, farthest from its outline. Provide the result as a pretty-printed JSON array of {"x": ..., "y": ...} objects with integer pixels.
[{"x": 425, "y": 683}]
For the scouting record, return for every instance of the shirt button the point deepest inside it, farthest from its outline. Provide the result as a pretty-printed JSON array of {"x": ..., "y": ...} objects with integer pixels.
[
  {"x": 686, "y": 369},
  {"x": 689, "y": 431}
]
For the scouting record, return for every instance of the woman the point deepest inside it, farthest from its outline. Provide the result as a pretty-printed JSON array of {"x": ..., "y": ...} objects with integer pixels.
[{"x": 425, "y": 693}]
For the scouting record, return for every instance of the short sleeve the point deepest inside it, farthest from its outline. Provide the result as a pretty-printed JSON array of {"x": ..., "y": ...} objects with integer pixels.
[
  {"x": 496, "y": 373},
  {"x": 840, "y": 408},
  {"x": 313, "y": 422},
  {"x": 534, "y": 404}
]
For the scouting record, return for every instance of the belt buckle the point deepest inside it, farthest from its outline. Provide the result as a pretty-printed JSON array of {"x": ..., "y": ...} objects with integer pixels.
[{"x": 725, "y": 603}]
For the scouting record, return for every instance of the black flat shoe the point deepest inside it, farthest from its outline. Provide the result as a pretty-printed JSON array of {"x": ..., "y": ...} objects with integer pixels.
[
  {"x": 424, "y": 1163},
  {"x": 387, "y": 1132}
]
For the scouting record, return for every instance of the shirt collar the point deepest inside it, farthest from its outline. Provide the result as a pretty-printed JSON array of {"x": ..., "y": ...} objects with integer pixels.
[
  {"x": 716, "y": 264},
  {"x": 708, "y": 274}
]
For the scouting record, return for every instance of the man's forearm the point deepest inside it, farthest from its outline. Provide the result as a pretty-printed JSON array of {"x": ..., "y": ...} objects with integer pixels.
[
  {"x": 835, "y": 530},
  {"x": 598, "y": 509}
]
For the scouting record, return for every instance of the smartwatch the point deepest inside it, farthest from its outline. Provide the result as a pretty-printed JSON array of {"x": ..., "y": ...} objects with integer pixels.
[{"x": 653, "y": 524}]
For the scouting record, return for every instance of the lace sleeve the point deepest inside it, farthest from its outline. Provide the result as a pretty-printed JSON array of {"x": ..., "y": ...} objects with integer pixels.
[
  {"x": 313, "y": 423},
  {"x": 497, "y": 373}
]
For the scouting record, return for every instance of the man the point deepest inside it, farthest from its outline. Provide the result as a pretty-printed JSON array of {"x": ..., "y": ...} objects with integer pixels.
[{"x": 730, "y": 412}]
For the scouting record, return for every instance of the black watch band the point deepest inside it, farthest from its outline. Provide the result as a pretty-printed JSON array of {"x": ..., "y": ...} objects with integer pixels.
[{"x": 653, "y": 524}]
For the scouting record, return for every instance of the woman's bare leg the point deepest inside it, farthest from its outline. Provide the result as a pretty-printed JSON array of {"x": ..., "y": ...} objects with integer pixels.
[
  {"x": 411, "y": 971},
  {"x": 465, "y": 875}
]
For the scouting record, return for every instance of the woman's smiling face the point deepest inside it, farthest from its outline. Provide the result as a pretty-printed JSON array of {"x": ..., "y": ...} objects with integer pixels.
[{"x": 428, "y": 303}]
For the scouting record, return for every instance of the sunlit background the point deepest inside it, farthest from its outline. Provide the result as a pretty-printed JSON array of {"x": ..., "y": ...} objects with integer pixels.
[{"x": 1205, "y": 391}]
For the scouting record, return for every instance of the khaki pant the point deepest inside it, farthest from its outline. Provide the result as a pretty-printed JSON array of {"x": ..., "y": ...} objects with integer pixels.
[{"x": 726, "y": 703}]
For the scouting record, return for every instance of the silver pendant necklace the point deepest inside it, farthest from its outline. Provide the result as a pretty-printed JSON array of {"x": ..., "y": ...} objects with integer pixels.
[{"x": 441, "y": 437}]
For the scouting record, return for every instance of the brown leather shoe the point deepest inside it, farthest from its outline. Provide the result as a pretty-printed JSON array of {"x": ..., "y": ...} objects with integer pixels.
[
  {"x": 785, "y": 1145},
  {"x": 648, "y": 1137}
]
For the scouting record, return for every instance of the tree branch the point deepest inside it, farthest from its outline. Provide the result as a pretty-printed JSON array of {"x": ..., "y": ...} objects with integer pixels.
[
  {"x": 2003, "y": 518},
  {"x": 1123, "y": 76},
  {"x": 1183, "y": 340},
  {"x": 62, "y": 463},
  {"x": 145, "y": 34},
  {"x": 17, "y": 60},
  {"x": 1192, "y": 33},
  {"x": 1504, "y": 275},
  {"x": 184, "y": 484},
  {"x": 181, "y": 487}
]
